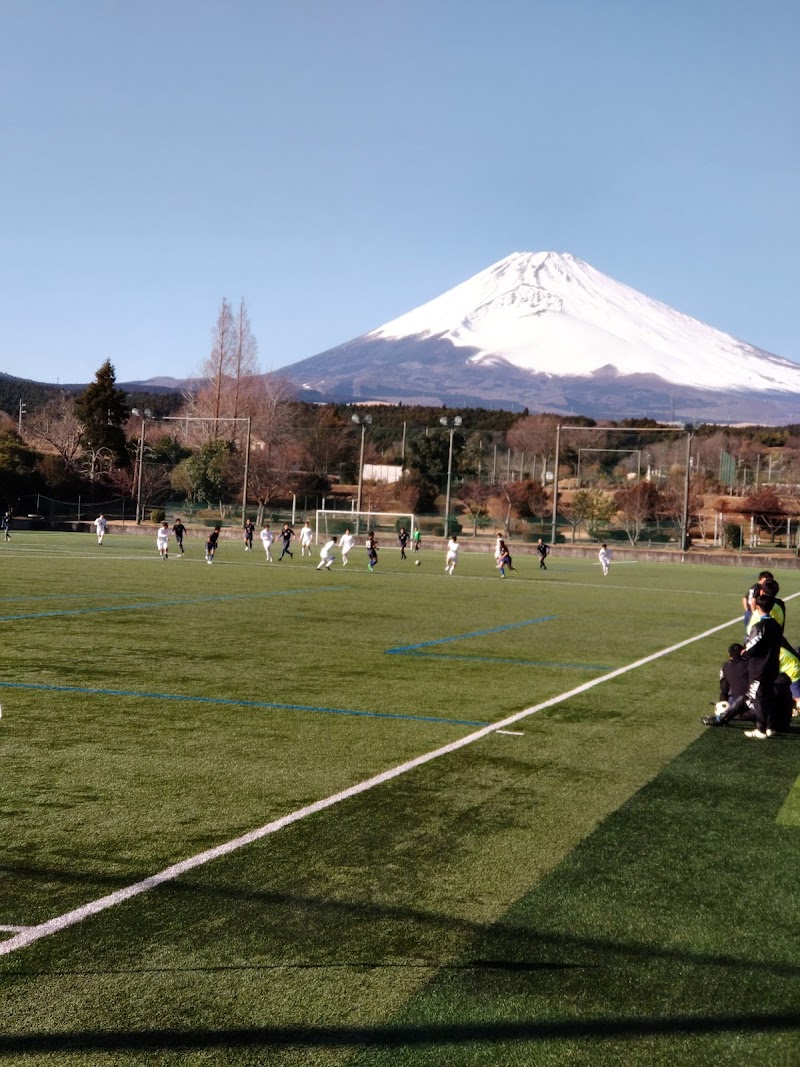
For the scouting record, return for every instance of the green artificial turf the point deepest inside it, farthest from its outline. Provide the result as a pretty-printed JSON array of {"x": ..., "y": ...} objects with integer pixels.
[{"x": 152, "y": 710}]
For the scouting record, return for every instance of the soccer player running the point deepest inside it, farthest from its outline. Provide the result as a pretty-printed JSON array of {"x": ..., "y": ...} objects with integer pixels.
[
  {"x": 266, "y": 541},
  {"x": 326, "y": 555},
  {"x": 543, "y": 551},
  {"x": 178, "y": 531},
  {"x": 451, "y": 560},
  {"x": 345, "y": 545},
  {"x": 402, "y": 540},
  {"x": 286, "y": 535},
  {"x": 417, "y": 539},
  {"x": 211, "y": 545},
  {"x": 100, "y": 526},
  {"x": 249, "y": 529},
  {"x": 306, "y": 537},
  {"x": 372, "y": 550},
  {"x": 604, "y": 555},
  {"x": 503, "y": 558},
  {"x": 162, "y": 540}
]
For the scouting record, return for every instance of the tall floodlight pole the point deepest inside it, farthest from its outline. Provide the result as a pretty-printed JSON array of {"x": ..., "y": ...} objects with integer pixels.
[
  {"x": 685, "y": 532},
  {"x": 246, "y": 471},
  {"x": 144, "y": 415},
  {"x": 555, "y": 486},
  {"x": 362, "y": 421},
  {"x": 457, "y": 420}
]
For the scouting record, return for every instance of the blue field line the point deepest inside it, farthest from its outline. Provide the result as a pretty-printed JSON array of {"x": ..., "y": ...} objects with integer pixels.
[
  {"x": 462, "y": 637},
  {"x": 167, "y": 603},
  {"x": 242, "y": 703},
  {"x": 65, "y": 596},
  {"x": 515, "y": 662}
]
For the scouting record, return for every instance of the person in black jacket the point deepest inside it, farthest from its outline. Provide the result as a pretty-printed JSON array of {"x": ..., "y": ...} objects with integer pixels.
[
  {"x": 733, "y": 685},
  {"x": 762, "y": 653},
  {"x": 751, "y": 593}
]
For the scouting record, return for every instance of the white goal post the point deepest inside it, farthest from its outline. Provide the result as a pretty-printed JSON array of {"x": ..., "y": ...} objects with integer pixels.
[{"x": 335, "y": 521}]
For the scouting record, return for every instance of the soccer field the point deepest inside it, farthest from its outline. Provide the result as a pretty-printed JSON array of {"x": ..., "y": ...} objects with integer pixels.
[{"x": 261, "y": 814}]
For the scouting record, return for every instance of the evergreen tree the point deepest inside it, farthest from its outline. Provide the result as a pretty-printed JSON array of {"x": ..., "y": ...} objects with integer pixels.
[{"x": 102, "y": 410}]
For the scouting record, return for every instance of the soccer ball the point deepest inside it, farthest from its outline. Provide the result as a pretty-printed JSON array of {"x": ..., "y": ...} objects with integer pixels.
[{"x": 417, "y": 562}]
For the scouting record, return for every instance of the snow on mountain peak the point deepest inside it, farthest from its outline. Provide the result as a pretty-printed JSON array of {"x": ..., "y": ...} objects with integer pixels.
[{"x": 549, "y": 312}]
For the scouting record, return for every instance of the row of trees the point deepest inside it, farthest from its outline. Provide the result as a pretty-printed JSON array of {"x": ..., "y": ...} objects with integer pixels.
[{"x": 501, "y": 466}]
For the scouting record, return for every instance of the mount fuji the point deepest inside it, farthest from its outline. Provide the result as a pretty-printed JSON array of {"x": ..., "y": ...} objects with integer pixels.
[{"x": 548, "y": 332}]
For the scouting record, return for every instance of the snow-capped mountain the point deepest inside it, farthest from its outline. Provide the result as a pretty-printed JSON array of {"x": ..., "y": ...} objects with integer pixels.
[{"x": 547, "y": 331}]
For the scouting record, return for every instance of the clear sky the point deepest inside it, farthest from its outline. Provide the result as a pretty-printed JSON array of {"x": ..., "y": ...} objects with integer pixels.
[{"x": 339, "y": 162}]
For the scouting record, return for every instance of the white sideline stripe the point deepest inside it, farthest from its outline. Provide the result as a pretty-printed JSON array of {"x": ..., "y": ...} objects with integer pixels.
[
  {"x": 94, "y": 907},
  {"x": 511, "y": 733},
  {"x": 13, "y": 929}
]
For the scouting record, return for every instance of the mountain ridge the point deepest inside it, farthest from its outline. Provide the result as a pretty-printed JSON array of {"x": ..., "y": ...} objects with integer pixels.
[{"x": 549, "y": 326}]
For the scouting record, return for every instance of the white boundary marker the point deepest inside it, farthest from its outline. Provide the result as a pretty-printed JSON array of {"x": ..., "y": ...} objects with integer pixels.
[{"x": 176, "y": 870}]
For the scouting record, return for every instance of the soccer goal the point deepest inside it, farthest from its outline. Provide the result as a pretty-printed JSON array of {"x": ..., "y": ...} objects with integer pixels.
[{"x": 330, "y": 521}]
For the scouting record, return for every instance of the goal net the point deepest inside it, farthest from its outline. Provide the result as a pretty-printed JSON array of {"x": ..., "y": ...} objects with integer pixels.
[{"x": 330, "y": 521}]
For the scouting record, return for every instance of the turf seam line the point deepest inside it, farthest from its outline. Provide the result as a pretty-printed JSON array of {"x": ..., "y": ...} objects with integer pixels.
[
  {"x": 166, "y": 603},
  {"x": 498, "y": 659},
  {"x": 176, "y": 870},
  {"x": 463, "y": 637},
  {"x": 189, "y": 699}
]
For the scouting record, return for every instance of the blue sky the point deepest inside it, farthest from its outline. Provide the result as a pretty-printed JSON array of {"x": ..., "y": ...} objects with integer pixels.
[{"x": 339, "y": 163}]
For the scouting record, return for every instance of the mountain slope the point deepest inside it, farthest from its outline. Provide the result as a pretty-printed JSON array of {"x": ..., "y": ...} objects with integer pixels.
[{"x": 549, "y": 332}]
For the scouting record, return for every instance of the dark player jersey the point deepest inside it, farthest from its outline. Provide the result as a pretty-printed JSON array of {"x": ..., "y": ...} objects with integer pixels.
[
  {"x": 733, "y": 679},
  {"x": 213, "y": 537},
  {"x": 286, "y": 536},
  {"x": 179, "y": 530},
  {"x": 403, "y": 539},
  {"x": 763, "y": 649}
]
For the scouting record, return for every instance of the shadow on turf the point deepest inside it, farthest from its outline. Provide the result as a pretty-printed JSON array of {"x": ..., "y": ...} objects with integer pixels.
[
  {"x": 510, "y": 943},
  {"x": 394, "y": 1037}
]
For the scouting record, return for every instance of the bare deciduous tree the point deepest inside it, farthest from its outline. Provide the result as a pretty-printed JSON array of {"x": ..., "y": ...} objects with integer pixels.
[
  {"x": 245, "y": 365},
  {"x": 588, "y": 508},
  {"x": 56, "y": 425},
  {"x": 475, "y": 497},
  {"x": 635, "y": 507},
  {"x": 271, "y": 473},
  {"x": 226, "y": 377}
]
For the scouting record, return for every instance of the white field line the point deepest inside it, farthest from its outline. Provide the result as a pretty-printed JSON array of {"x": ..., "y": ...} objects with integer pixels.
[
  {"x": 13, "y": 929},
  {"x": 176, "y": 870}
]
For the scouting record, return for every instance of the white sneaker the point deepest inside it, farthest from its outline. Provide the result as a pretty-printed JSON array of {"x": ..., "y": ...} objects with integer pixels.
[
  {"x": 757, "y": 734},
  {"x": 771, "y": 733}
]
